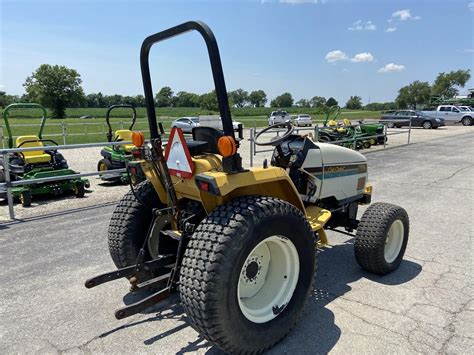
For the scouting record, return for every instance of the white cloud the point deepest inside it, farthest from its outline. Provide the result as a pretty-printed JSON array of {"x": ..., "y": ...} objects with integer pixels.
[
  {"x": 392, "y": 68},
  {"x": 470, "y": 6},
  {"x": 404, "y": 15},
  {"x": 359, "y": 25},
  {"x": 338, "y": 55},
  {"x": 391, "y": 29},
  {"x": 362, "y": 58},
  {"x": 335, "y": 56}
]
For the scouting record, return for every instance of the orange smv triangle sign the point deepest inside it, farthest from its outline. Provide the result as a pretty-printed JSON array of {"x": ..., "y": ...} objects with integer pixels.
[{"x": 177, "y": 155}]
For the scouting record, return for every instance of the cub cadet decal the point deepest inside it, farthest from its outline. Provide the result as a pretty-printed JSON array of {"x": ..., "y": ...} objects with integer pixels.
[{"x": 334, "y": 171}]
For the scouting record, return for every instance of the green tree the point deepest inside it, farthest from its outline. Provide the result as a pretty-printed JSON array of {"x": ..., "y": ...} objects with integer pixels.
[
  {"x": 354, "y": 103},
  {"x": 331, "y": 102},
  {"x": 380, "y": 106},
  {"x": 186, "y": 99},
  {"x": 209, "y": 101},
  {"x": 317, "y": 101},
  {"x": 164, "y": 98},
  {"x": 303, "y": 103},
  {"x": 258, "y": 98},
  {"x": 284, "y": 100},
  {"x": 447, "y": 84},
  {"x": 6, "y": 99},
  {"x": 239, "y": 97},
  {"x": 56, "y": 87},
  {"x": 418, "y": 92}
]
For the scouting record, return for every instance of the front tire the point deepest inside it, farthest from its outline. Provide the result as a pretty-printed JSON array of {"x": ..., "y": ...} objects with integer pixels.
[
  {"x": 381, "y": 238},
  {"x": 242, "y": 257},
  {"x": 104, "y": 165}
]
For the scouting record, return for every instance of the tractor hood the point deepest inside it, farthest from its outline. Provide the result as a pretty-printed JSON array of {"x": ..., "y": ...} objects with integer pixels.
[{"x": 334, "y": 154}]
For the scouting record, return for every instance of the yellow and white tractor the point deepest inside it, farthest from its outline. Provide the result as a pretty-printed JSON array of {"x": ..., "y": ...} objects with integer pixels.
[{"x": 239, "y": 245}]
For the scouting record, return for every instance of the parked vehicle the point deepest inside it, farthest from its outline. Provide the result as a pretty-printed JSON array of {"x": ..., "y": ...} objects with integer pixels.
[
  {"x": 119, "y": 156},
  {"x": 418, "y": 119},
  {"x": 37, "y": 164},
  {"x": 214, "y": 121},
  {"x": 278, "y": 116},
  {"x": 239, "y": 244},
  {"x": 453, "y": 114},
  {"x": 186, "y": 123},
  {"x": 303, "y": 120}
]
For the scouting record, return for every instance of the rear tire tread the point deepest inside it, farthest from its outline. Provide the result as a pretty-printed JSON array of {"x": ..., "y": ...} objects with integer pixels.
[
  {"x": 129, "y": 216},
  {"x": 206, "y": 253}
]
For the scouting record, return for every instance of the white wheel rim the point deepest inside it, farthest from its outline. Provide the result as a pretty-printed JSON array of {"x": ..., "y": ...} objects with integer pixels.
[
  {"x": 394, "y": 241},
  {"x": 268, "y": 279}
]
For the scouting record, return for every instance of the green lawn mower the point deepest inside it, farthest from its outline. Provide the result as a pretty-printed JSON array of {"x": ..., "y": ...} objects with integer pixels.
[
  {"x": 37, "y": 164},
  {"x": 118, "y": 156},
  {"x": 335, "y": 131},
  {"x": 373, "y": 129}
]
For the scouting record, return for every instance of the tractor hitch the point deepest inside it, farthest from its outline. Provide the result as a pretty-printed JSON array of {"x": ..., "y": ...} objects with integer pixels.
[{"x": 132, "y": 274}]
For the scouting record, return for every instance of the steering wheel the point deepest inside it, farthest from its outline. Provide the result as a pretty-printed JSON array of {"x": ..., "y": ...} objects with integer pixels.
[{"x": 277, "y": 139}]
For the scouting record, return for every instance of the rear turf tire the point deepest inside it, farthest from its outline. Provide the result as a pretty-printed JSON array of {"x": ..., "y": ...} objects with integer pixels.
[
  {"x": 218, "y": 256},
  {"x": 324, "y": 139},
  {"x": 129, "y": 225},
  {"x": 25, "y": 198},
  {"x": 79, "y": 189},
  {"x": 381, "y": 238}
]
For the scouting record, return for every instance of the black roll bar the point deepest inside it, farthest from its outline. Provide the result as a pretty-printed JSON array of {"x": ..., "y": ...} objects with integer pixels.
[
  {"x": 107, "y": 118},
  {"x": 216, "y": 67}
]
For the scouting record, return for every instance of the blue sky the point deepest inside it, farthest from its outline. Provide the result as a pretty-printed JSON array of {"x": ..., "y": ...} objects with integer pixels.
[{"x": 327, "y": 48}]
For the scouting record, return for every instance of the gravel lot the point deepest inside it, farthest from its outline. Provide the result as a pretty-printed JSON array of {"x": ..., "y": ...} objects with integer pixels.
[
  {"x": 85, "y": 160},
  {"x": 426, "y": 306}
]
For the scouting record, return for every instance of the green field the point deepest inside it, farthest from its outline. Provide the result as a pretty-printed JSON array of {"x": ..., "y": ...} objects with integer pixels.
[{"x": 91, "y": 130}]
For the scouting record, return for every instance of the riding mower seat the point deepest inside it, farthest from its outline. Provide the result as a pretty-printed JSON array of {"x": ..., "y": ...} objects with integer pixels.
[
  {"x": 204, "y": 140},
  {"x": 125, "y": 135},
  {"x": 35, "y": 156}
]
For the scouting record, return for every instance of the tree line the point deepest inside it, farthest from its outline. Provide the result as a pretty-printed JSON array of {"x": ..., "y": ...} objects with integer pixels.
[
  {"x": 59, "y": 87},
  {"x": 419, "y": 93}
]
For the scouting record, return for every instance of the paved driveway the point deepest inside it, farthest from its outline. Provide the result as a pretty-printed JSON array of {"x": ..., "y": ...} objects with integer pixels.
[{"x": 425, "y": 306}]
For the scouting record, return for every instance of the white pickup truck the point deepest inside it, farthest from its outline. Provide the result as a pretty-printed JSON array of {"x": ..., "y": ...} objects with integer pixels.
[
  {"x": 453, "y": 114},
  {"x": 278, "y": 116}
]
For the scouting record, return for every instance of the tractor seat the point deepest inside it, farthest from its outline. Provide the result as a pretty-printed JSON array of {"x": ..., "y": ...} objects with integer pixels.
[
  {"x": 125, "y": 135},
  {"x": 35, "y": 156}
]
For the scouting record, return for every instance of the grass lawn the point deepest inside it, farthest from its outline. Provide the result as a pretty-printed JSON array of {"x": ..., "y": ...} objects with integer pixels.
[{"x": 93, "y": 129}]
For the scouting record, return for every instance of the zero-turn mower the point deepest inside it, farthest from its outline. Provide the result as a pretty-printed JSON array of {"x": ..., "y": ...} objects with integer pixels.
[
  {"x": 118, "y": 156},
  {"x": 37, "y": 164},
  {"x": 346, "y": 132},
  {"x": 239, "y": 244}
]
